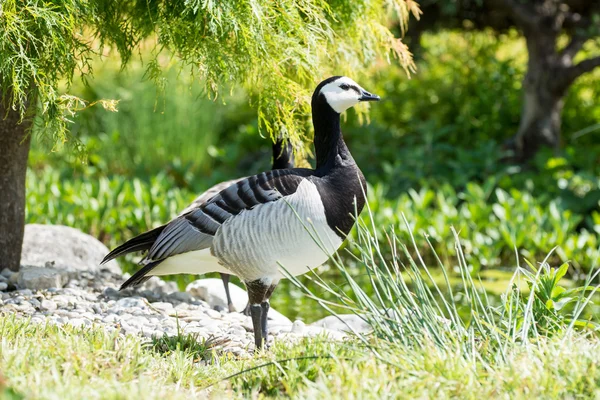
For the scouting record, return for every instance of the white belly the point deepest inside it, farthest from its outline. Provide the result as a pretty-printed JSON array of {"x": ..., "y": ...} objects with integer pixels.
[
  {"x": 193, "y": 262},
  {"x": 292, "y": 232}
]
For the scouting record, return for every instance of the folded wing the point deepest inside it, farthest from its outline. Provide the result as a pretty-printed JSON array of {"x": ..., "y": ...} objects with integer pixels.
[{"x": 195, "y": 229}]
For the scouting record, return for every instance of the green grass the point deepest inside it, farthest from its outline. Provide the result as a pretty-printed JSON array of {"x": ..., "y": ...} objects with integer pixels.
[{"x": 44, "y": 362}]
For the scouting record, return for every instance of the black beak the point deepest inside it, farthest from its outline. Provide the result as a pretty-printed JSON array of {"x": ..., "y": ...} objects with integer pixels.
[{"x": 366, "y": 96}]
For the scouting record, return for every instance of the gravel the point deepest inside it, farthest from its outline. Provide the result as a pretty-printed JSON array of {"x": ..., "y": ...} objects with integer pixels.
[{"x": 156, "y": 309}]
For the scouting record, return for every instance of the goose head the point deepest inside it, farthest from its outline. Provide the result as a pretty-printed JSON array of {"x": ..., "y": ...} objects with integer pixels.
[{"x": 341, "y": 93}]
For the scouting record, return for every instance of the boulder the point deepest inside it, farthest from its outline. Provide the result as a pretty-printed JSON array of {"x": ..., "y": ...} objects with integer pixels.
[
  {"x": 212, "y": 291},
  {"x": 342, "y": 322},
  {"x": 36, "y": 278},
  {"x": 66, "y": 249}
]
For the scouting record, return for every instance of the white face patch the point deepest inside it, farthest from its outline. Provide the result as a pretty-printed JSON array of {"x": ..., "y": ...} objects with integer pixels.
[{"x": 342, "y": 94}]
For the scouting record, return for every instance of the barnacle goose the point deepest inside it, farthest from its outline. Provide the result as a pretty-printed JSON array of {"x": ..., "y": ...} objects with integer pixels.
[
  {"x": 283, "y": 158},
  {"x": 269, "y": 219}
]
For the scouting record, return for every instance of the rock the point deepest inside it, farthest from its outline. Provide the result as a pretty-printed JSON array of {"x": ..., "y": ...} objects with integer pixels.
[
  {"x": 129, "y": 305},
  {"x": 96, "y": 308},
  {"x": 110, "y": 292},
  {"x": 63, "y": 300},
  {"x": 278, "y": 318},
  {"x": 184, "y": 297},
  {"x": 334, "y": 323},
  {"x": 298, "y": 327},
  {"x": 159, "y": 286},
  {"x": 79, "y": 322},
  {"x": 35, "y": 302},
  {"x": 301, "y": 330},
  {"x": 213, "y": 314},
  {"x": 48, "y": 305},
  {"x": 13, "y": 278},
  {"x": 150, "y": 295},
  {"x": 163, "y": 307},
  {"x": 318, "y": 331},
  {"x": 212, "y": 291},
  {"x": 68, "y": 249},
  {"x": 6, "y": 273},
  {"x": 31, "y": 277},
  {"x": 3, "y": 286}
]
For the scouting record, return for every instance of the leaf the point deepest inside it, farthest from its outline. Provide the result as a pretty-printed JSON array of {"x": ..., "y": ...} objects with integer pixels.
[
  {"x": 561, "y": 271},
  {"x": 557, "y": 291},
  {"x": 562, "y": 302},
  {"x": 499, "y": 211}
]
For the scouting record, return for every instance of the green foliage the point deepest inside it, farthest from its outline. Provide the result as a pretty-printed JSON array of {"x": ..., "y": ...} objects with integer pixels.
[
  {"x": 548, "y": 303},
  {"x": 109, "y": 209},
  {"x": 405, "y": 306},
  {"x": 491, "y": 223},
  {"x": 40, "y": 44},
  {"x": 275, "y": 50},
  {"x": 448, "y": 122},
  {"x": 197, "y": 142}
]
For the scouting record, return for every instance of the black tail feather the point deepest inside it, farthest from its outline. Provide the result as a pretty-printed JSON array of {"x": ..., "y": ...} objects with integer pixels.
[
  {"x": 138, "y": 243},
  {"x": 141, "y": 276}
]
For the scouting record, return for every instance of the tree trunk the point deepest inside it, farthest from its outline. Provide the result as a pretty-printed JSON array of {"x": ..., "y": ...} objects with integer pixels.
[
  {"x": 14, "y": 150},
  {"x": 540, "y": 118},
  {"x": 543, "y": 92}
]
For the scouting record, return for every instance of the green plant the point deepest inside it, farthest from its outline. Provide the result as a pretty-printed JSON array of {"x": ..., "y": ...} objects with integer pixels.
[
  {"x": 191, "y": 344},
  {"x": 550, "y": 301},
  {"x": 405, "y": 305}
]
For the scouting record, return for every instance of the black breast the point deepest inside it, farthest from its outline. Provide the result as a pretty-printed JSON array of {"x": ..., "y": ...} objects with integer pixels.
[{"x": 338, "y": 190}]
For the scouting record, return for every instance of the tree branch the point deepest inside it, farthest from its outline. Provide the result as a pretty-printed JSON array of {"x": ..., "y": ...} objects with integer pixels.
[
  {"x": 581, "y": 68},
  {"x": 568, "y": 53},
  {"x": 524, "y": 15}
]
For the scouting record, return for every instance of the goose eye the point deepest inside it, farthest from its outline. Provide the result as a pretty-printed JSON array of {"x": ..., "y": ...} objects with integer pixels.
[{"x": 344, "y": 86}]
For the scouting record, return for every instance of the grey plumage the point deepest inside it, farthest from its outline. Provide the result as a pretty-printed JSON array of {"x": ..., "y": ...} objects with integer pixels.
[{"x": 195, "y": 230}]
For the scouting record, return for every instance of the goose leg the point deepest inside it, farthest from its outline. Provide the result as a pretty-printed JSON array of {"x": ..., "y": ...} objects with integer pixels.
[
  {"x": 265, "y": 305},
  {"x": 257, "y": 291},
  {"x": 264, "y": 319},
  {"x": 256, "y": 314},
  {"x": 225, "y": 278}
]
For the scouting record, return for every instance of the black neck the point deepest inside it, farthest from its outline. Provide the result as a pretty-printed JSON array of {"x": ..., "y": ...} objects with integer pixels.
[
  {"x": 283, "y": 155},
  {"x": 329, "y": 142}
]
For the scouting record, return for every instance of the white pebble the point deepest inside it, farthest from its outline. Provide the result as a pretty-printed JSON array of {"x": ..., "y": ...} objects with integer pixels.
[
  {"x": 78, "y": 322},
  {"x": 48, "y": 305},
  {"x": 213, "y": 314},
  {"x": 298, "y": 327}
]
